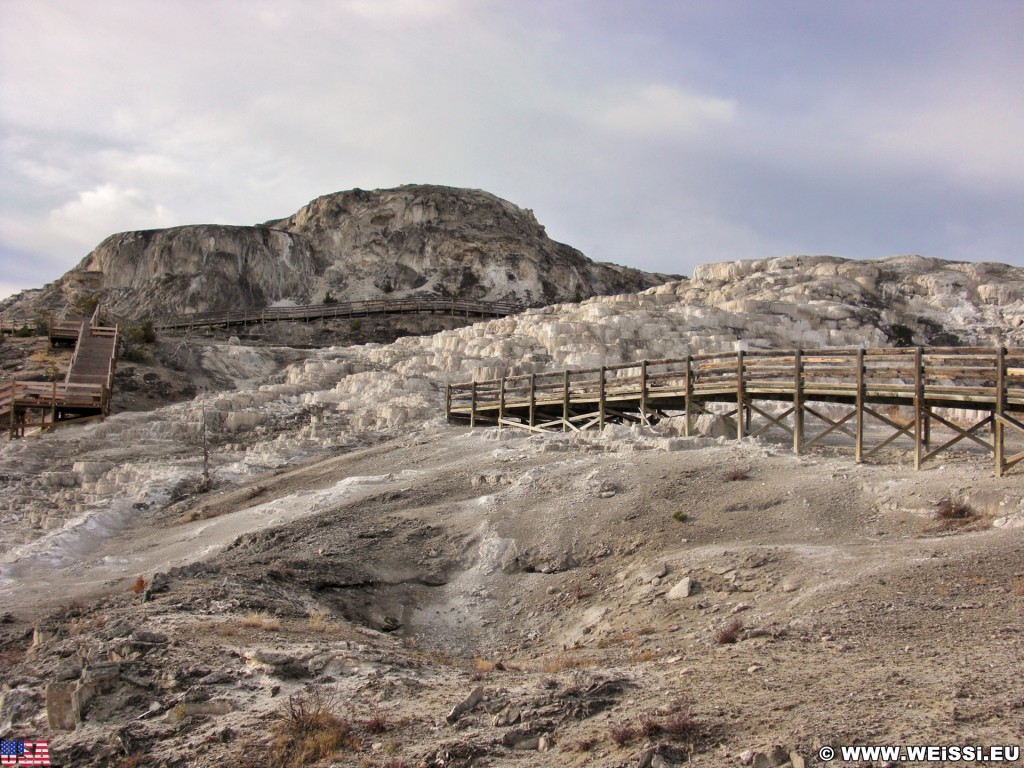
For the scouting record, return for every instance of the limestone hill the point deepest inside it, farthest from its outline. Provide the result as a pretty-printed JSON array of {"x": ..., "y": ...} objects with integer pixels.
[{"x": 414, "y": 240}]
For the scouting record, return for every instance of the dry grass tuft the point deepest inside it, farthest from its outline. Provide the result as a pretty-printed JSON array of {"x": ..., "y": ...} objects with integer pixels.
[
  {"x": 139, "y": 585},
  {"x": 484, "y": 665},
  {"x": 260, "y": 620},
  {"x": 320, "y": 621},
  {"x": 644, "y": 655},
  {"x": 730, "y": 633},
  {"x": 563, "y": 661},
  {"x": 737, "y": 474},
  {"x": 308, "y": 729}
]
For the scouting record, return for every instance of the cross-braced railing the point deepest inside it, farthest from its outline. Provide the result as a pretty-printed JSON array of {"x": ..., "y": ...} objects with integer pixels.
[{"x": 876, "y": 384}]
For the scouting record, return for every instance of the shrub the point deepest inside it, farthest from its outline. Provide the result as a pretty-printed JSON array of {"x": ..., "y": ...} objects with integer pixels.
[
  {"x": 681, "y": 726},
  {"x": 737, "y": 474},
  {"x": 377, "y": 723},
  {"x": 949, "y": 510},
  {"x": 139, "y": 585},
  {"x": 680, "y": 516},
  {"x": 307, "y": 728},
  {"x": 649, "y": 728},
  {"x": 730, "y": 633},
  {"x": 622, "y": 733}
]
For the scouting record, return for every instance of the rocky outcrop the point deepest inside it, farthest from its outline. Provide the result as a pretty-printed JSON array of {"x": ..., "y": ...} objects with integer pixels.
[
  {"x": 200, "y": 267},
  {"x": 413, "y": 240}
]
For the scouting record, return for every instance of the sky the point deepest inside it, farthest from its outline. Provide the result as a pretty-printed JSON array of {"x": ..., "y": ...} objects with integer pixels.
[{"x": 660, "y": 134}]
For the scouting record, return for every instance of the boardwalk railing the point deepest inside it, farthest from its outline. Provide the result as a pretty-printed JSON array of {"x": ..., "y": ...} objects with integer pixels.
[
  {"x": 349, "y": 309},
  {"x": 54, "y": 402},
  {"x": 10, "y": 326},
  {"x": 875, "y": 383}
]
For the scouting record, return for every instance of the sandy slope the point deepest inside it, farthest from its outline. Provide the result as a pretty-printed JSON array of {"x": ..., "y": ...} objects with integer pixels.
[{"x": 439, "y": 555}]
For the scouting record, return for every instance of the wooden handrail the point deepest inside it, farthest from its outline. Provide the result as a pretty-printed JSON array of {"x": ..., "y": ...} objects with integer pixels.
[
  {"x": 820, "y": 367},
  {"x": 346, "y": 309},
  {"x": 989, "y": 382}
]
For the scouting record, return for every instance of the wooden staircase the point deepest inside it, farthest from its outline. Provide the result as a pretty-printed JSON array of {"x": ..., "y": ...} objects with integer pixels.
[
  {"x": 93, "y": 361},
  {"x": 85, "y": 392}
]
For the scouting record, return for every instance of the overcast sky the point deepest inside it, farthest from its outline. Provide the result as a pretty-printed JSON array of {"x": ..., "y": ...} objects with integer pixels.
[{"x": 656, "y": 133}]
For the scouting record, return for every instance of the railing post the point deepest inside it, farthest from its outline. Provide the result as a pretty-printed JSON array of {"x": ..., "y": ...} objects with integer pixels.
[
  {"x": 859, "y": 404},
  {"x": 999, "y": 436},
  {"x": 565, "y": 400},
  {"x": 501, "y": 402},
  {"x": 600, "y": 401},
  {"x": 739, "y": 394},
  {"x": 448, "y": 404},
  {"x": 687, "y": 394},
  {"x": 926, "y": 413},
  {"x": 643, "y": 391},
  {"x": 472, "y": 407},
  {"x": 798, "y": 401},
  {"x": 53, "y": 403},
  {"x": 533, "y": 398},
  {"x": 918, "y": 405}
]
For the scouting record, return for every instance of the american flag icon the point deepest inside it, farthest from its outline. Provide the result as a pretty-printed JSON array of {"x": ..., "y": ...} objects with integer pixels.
[{"x": 21, "y": 752}]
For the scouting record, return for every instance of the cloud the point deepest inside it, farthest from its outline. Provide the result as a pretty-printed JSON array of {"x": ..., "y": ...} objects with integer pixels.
[
  {"x": 661, "y": 110},
  {"x": 657, "y": 135},
  {"x": 107, "y": 209}
]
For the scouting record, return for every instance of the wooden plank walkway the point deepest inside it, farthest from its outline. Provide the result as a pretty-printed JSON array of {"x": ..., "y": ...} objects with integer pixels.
[
  {"x": 85, "y": 393},
  {"x": 985, "y": 381},
  {"x": 350, "y": 309}
]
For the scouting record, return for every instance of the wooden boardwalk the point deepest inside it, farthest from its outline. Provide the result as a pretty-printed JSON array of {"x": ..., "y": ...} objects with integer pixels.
[
  {"x": 83, "y": 395},
  {"x": 10, "y": 326},
  {"x": 352, "y": 309},
  {"x": 877, "y": 384}
]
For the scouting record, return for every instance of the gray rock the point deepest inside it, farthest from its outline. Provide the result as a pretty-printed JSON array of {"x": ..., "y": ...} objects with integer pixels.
[
  {"x": 680, "y": 590},
  {"x": 652, "y": 572},
  {"x": 153, "y": 638},
  {"x": 16, "y": 705},
  {"x": 651, "y": 758},
  {"x": 466, "y": 705},
  {"x": 526, "y": 739},
  {"x": 508, "y": 716},
  {"x": 184, "y": 709},
  {"x": 60, "y": 710}
]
